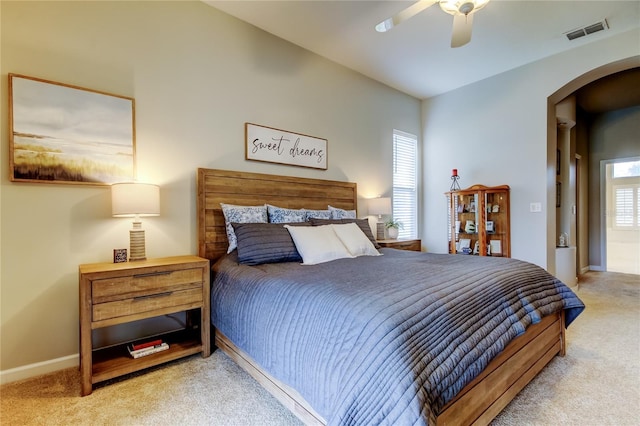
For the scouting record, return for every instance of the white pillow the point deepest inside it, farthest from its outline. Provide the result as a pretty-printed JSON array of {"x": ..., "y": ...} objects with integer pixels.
[
  {"x": 317, "y": 244},
  {"x": 355, "y": 240}
]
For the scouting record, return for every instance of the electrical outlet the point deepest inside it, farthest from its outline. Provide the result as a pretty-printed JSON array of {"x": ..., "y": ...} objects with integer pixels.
[{"x": 535, "y": 207}]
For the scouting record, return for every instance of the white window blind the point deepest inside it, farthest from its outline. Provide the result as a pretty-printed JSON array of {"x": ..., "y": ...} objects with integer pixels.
[
  {"x": 405, "y": 183},
  {"x": 627, "y": 206}
]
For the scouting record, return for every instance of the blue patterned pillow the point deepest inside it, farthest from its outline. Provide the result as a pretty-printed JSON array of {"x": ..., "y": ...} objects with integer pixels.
[
  {"x": 317, "y": 214},
  {"x": 337, "y": 213},
  {"x": 241, "y": 214},
  {"x": 283, "y": 215}
]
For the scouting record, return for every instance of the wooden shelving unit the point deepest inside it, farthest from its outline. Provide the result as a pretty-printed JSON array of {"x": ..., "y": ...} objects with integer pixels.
[{"x": 479, "y": 219}]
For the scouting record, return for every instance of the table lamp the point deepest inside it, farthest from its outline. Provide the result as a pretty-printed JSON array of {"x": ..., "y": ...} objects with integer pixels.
[
  {"x": 380, "y": 206},
  {"x": 132, "y": 199}
]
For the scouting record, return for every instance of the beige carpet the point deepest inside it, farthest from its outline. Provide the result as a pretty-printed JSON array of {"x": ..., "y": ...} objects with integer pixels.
[{"x": 597, "y": 383}]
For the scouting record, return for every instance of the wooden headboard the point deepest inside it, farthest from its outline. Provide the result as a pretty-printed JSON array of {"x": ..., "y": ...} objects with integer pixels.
[{"x": 249, "y": 189}]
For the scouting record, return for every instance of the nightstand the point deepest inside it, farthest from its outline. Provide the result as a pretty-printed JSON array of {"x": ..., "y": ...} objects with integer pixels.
[
  {"x": 119, "y": 293},
  {"x": 412, "y": 245}
]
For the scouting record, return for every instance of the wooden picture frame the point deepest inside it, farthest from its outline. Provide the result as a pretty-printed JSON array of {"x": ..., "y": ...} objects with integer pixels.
[
  {"x": 60, "y": 133},
  {"x": 278, "y": 146}
]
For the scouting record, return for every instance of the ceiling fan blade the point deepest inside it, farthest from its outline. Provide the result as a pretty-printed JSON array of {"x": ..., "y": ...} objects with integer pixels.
[
  {"x": 409, "y": 12},
  {"x": 461, "y": 33}
]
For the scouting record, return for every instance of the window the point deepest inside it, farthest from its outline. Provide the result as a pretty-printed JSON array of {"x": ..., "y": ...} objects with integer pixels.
[
  {"x": 627, "y": 206},
  {"x": 405, "y": 183},
  {"x": 626, "y": 193}
]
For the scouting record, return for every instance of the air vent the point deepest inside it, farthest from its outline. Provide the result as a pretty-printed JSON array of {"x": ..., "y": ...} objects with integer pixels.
[{"x": 589, "y": 29}]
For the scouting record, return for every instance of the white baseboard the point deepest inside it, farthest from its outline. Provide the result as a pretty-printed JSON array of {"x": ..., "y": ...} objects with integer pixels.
[
  {"x": 597, "y": 268},
  {"x": 585, "y": 270},
  {"x": 38, "y": 368}
]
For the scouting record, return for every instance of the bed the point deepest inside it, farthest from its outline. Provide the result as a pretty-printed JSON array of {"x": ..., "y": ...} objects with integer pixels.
[{"x": 329, "y": 371}]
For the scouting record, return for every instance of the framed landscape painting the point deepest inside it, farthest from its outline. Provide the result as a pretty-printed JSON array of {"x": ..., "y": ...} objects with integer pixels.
[{"x": 59, "y": 133}]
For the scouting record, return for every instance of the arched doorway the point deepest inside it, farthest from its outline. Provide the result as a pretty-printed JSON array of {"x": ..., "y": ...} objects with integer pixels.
[{"x": 571, "y": 187}]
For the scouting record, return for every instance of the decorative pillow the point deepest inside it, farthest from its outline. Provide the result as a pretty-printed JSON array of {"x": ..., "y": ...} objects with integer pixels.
[
  {"x": 265, "y": 243},
  {"x": 337, "y": 213},
  {"x": 241, "y": 214},
  {"x": 317, "y": 244},
  {"x": 354, "y": 240},
  {"x": 282, "y": 215},
  {"x": 363, "y": 224},
  {"x": 317, "y": 214}
]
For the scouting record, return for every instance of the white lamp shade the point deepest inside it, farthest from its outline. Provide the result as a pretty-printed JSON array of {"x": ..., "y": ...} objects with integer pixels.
[
  {"x": 380, "y": 206},
  {"x": 132, "y": 198}
]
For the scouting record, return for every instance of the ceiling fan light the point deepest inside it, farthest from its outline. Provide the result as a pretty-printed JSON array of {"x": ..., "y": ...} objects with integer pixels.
[
  {"x": 465, "y": 7},
  {"x": 384, "y": 26}
]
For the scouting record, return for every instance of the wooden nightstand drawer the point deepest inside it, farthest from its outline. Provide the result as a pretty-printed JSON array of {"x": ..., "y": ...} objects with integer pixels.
[
  {"x": 178, "y": 300},
  {"x": 143, "y": 284},
  {"x": 413, "y": 245}
]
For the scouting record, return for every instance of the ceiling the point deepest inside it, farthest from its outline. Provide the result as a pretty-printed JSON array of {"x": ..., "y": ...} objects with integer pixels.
[{"x": 415, "y": 57}]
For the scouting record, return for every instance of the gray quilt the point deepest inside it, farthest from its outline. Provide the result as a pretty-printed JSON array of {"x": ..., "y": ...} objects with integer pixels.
[{"x": 382, "y": 340}]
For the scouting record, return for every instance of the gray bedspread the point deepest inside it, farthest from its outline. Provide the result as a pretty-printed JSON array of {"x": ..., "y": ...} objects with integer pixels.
[{"x": 382, "y": 340}]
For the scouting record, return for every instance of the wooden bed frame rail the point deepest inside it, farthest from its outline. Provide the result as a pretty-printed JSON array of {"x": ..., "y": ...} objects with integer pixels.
[{"x": 477, "y": 404}]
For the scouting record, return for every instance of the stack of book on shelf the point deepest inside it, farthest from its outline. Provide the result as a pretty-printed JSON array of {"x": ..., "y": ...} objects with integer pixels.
[{"x": 138, "y": 350}]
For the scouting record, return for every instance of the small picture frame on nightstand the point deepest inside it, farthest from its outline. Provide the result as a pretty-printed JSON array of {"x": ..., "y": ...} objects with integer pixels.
[{"x": 119, "y": 255}]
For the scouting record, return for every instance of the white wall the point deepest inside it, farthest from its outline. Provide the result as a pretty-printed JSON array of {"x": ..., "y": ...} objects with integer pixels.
[
  {"x": 197, "y": 75},
  {"x": 495, "y": 132}
]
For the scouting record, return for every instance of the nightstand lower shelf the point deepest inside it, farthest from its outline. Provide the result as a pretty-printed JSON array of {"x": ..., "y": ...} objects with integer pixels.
[{"x": 115, "y": 361}]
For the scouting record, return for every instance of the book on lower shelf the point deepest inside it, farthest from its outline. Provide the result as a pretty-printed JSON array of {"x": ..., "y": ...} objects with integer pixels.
[
  {"x": 148, "y": 350},
  {"x": 149, "y": 343}
]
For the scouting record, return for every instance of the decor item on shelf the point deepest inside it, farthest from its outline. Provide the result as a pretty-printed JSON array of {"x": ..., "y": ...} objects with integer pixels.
[
  {"x": 476, "y": 247},
  {"x": 496, "y": 247},
  {"x": 489, "y": 227},
  {"x": 470, "y": 227},
  {"x": 119, "y": 255},
  {"x": 563, "y": 240},
  {"x": 455, "y": 186},
  {"x": 393, "y": 226},
  {"x": 135, "y": 199},
  {"x": 380, "y": 206},
  {"x": 464, "y": 244}
]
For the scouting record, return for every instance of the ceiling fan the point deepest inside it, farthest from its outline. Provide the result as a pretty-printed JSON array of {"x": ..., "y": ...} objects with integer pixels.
[{"x": 462, "y": 11}]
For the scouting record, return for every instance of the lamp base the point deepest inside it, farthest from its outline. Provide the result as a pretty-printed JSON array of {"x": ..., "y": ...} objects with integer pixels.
[
  {"x": 379, "y": 231},
  {"x": 136, "y": 243}
]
